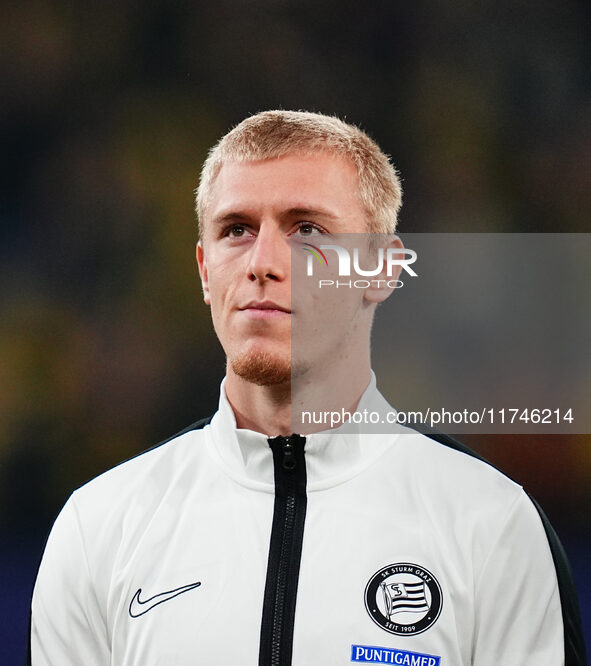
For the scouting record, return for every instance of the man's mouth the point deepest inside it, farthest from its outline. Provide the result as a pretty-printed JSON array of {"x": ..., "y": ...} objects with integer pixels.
[{"x": 265, "y": 309}]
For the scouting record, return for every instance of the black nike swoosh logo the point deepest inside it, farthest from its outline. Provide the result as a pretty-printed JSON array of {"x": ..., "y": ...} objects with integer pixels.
[{"x": 138, "y": 607}]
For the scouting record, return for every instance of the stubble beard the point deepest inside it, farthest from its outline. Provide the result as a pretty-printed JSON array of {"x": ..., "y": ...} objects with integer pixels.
[{"x": 264, "y": 369}]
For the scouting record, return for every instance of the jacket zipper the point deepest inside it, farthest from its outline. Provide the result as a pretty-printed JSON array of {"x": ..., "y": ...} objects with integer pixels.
[{"x": 285, "y": 550}]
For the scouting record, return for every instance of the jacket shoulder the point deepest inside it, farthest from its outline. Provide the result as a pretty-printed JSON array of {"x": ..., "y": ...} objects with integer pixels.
[
  {"x": 147, "y": 471},
  {"x": 574, "y": 644}
]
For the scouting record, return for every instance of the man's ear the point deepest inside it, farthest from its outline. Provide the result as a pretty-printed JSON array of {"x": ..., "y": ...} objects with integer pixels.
[
  {"x": 202, "y": 264},
  {"x": 382, "y": 285}
]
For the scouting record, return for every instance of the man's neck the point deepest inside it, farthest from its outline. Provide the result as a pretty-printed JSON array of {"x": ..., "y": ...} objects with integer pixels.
[
  {"x": 273, "y": 410},
  {"x": 265, "y": 409}
]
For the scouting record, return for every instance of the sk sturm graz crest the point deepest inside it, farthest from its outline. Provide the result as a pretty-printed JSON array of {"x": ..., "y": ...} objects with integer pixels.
[{"x": 403, "y": 598}]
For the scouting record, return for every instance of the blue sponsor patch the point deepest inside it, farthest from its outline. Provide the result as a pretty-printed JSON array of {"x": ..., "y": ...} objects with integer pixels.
[{"x": 370, "y": 654}]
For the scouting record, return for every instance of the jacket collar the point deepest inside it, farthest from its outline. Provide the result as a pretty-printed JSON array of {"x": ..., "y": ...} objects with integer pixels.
[{"x": 332, "y": 456}]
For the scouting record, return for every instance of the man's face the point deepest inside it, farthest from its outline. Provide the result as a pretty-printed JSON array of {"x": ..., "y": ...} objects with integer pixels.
[{"x": 256, "y": 210}]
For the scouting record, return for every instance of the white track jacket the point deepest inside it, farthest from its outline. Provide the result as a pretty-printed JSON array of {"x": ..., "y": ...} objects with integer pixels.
[{"x": 222, "y": 547}]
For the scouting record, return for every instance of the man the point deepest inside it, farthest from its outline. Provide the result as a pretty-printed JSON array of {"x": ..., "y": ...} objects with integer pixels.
[{"x": 240, "y": 542}]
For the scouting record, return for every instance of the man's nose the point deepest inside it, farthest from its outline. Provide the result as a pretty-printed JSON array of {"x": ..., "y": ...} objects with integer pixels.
[{"x": 270, "y": 255}]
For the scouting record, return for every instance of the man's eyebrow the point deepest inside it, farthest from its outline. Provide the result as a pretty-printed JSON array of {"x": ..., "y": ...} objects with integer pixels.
[
  {"x": 310, "y": 212},
  {"x": 230, "y": 217},
  {"x": 296, "y": 211}
]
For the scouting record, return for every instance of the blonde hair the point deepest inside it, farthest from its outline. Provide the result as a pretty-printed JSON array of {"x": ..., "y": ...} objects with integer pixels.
[{"x": 273, "y": 134}]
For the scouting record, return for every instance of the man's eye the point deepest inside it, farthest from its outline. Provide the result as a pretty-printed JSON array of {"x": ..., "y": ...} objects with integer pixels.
[
  {"x": 308, "y": 229},
  {"x": 236, "y": 231}
]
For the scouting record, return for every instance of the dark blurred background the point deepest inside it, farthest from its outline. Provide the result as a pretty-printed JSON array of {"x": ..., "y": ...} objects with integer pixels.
[{"x": 108, "y": 109}]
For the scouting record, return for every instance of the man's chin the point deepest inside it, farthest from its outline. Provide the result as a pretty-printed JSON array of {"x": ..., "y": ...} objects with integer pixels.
[{"x": 262, "y": 368}]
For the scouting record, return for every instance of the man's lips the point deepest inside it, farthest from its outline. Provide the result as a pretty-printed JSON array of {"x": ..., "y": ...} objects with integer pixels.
[{"x": 265, "y": 309}]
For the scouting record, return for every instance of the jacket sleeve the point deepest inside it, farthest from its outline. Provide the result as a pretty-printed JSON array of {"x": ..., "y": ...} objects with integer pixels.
[
  {"x": 517, "y": 600},
  {"x": 68, "y": 626}
]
